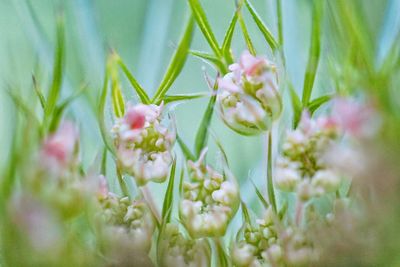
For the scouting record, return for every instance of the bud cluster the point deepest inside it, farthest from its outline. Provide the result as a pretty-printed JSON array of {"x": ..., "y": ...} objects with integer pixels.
[
  {"x": 209, "y": 200},
  {"x": 143, "y": 144},
  {"x": 302, "y": 168},
  {"x": 126, "y": 218},
  {"x": 248, "y": 95},
  {"x": 259, "y": 245},
  {"x": 178, "y": 251}
]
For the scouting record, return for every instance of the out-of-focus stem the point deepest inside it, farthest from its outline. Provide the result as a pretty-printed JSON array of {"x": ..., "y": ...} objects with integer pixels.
[
  {"x": 150, "y": 201},
  {"x": 299, "y": 212}
]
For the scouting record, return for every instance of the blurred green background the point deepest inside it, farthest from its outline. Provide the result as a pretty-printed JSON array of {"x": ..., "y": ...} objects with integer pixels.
[{"x": 144, "y": 33}]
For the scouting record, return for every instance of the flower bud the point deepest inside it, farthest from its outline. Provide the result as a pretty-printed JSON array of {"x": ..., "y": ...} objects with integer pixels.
[
  {"x": 143, "y": 144},
  {"x": 130, "y": 219},
  {"x": 58, "y": 149},
  {"x": 248, "y": 96},
  {"x": 210, "y": 201},
  {"x": 175, "y": 250}
]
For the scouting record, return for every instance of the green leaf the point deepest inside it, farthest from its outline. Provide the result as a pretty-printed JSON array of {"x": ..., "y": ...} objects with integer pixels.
[
  {"x": 177, "y": 62},
  {"x": 314, "y": 53},
  {"x": 283, "y": 210},
  {"x": 226, "y": 44},
  {"x": 261, "y": 26},
  {"x": 122, "y": 184},
  {"x": 270, "y": 184},
  {"x": 183, "y": 97},
  {"x": 185, "y": 149},
  {"x": 316, "y": 103},
  {"x": 103, "y": 168},
  {"x": 221, "y": 148},
  {"x": 204, "y": 26},
  {"x": 296, "y": 105},
  {"x": 260, "y": 196},
  {"x": 58, "y": 112},
  {"x": 39, "y": 93},
  {"x": 23, "y": 107},
  {"x": 246, "y": 36},
  {"x": 211, "y": 58},
  {"x": 202, "y": 132},
  {"x": 169, "y": 195},
  {"x": 118, "y": 102},
  {"x": 181, "y": 179},
  {"x": 144, "y": 98},
  {"x": 280, "y": 22},
  {"x": 102, "y": 124},
  {"x": 58, "y": 66},
  {"x": 245, "y": 213},
  {"x": 222, "y": 257}
]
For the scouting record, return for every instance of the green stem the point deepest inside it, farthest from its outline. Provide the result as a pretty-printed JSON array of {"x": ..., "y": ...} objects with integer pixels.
[{"x": 270, "y": 186}]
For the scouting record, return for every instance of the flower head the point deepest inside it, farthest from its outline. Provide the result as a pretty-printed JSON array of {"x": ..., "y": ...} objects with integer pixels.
[
  {"x": 58, "y": 149},
  {"x": 176, "y": 250},
  {"x": 128, "y": 218},
  {"x": 143, "y": 144},
  {"x": 209, "y": 200},
  {"x": 302, "y": 167},
  {"x": 248, "y": 97}
]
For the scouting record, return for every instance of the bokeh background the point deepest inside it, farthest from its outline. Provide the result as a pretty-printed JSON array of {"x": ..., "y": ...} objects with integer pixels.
[{"x": 144, "y": 33}]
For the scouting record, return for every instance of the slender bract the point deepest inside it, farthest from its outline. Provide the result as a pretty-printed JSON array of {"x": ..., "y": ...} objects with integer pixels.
[
  {"x": 262, "y": 27},
  {"x": 314, "y": 53},
  {"x": 177, "y": 62}
]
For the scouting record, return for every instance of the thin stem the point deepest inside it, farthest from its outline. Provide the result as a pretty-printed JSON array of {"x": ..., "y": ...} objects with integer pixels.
[
  {"x": 299, "y": 212},
  {"x": 150, "y": 201},
  {"x": 270, "y": 186},
  {"x": 121, "y": 182}
]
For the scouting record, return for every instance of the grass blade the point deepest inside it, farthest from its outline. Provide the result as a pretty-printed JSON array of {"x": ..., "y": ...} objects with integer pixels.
[
  {"x": 316, "y": 103},
  {"x": 261, "y": 26},
  {"x": 260, "y": 196},
  {"x": 204, "y": 26},
  {"x": 210, "y": 58},
  {"x": 226, "y": 44},
  {"x": 144, "y": 98},
  {"x": 59, "y": 110},
  {"x": 169, "y": 196},
  {"x": 39, "y": 93},
  {"x": 118, "y": 103},
  {"x": 102, "y": 124},
  {"x": 183, "y": 97},
  {"x": 202, "y": 132},
  {"x": 296, "y": 105},
  {"x": 245, "y": 213},
  {"x": 246, "y": 36},
  {"x": 270, "y": 184},
  {"x": 58, "y": 66},
  {"x": 177, "y": 62},
  {"x": 314, "y": 53},
  {"x": 185, "y": 149}
]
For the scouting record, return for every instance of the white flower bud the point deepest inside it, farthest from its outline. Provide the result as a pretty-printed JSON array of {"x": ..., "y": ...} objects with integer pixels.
[
  {"x": 287, "y": 179},
  {"x": 143, "y": 144},
  {"x": 326, "y": 181},
  {"x": 248, "y": 97}
]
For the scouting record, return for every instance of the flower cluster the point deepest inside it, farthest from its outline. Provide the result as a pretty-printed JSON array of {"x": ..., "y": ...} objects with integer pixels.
[
  {"x": 259, "y": 245},
  {"x": 143, "y": 144},
  {"x": 178, "y": 251},
  {"x": 248, "y": 95},
  {"x": 302, "y": 168},
  {"x": 209, "y": 200},
  {"x": 127, "y": 219}
]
